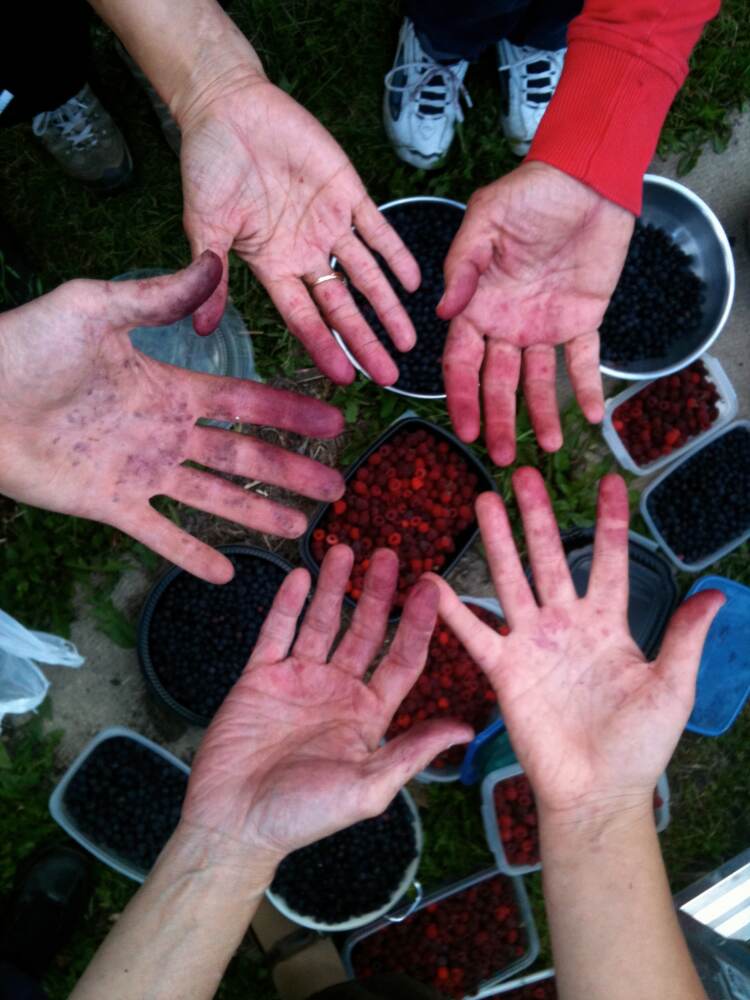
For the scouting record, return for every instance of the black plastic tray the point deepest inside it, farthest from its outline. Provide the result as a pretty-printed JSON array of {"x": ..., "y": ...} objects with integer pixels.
[
  {"x": 153, "y": 682},
  {"x": 463, "y": 539}
]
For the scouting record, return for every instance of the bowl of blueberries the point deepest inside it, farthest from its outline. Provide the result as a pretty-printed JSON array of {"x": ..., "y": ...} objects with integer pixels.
[
  {"x": 427, "y": 226},
  {"x": 676, "y": 288}
]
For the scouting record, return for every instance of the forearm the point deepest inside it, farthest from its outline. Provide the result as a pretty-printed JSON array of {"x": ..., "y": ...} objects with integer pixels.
[
  {"x": 179, "y": 932},
  {"x": 614, "y": 931},
  {"x": 189, "y": 49}
]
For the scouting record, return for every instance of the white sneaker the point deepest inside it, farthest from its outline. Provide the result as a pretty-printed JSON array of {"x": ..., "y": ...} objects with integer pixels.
[
  {"x": 422, "y": 101},
  {"x": 528, "y": 79}
]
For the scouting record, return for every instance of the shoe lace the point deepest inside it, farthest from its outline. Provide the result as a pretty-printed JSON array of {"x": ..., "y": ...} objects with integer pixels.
[
  {"x": 71, "y": 120},
  {"x": 545, "y": 71},
  {"x": 437, "y": 87}
]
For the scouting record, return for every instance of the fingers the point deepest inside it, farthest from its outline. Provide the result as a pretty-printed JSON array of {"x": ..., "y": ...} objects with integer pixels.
[
  {"x": 301, "y": 315},
  {"x": 462, "y": 363},
  {"x": 365, "y": 635},
  {"x": 682, "y": 646},
  {"x": 224, "y": 499},
  {"x": 167, "y": 540},
  {"x": 609, "y": 579},
  {"x": 502, "y": 370},
  {"x": 552, "y": 580},
  {"x": 243, "y": 401},
  {"x": 277, "y": 633},
  {"x": 379, "y": 234},
  {"x": 582, "y": 361},
  {"x": 406, "y": 658},
  {"x": 367, "y": 276},
  {"x": 482, "y": 643},
  {"x": 540, "y": 392},
  {"x": 323, "y": 618},
  {"x": 241, "y": 455},
  {"x": 164, "y": 300},
  {"x": 507, "y": 572}
]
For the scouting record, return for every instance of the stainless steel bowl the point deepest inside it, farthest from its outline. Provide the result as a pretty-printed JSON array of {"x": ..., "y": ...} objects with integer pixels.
[
  {"x": 692, "y": 225},
  {"x": 337, "y": 335}
]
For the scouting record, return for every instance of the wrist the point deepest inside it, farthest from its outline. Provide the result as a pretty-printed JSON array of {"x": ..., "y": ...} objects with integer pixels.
[{"x": 592, "y": 824}]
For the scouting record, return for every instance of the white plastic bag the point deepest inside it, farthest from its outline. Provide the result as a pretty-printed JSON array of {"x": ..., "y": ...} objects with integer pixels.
[{"x": 23, "y": 686}]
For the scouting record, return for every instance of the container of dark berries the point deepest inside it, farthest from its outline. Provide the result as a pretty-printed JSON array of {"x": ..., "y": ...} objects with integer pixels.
[
  {"x": 535, "y": 986},
  {"x": 121, "y": 799},
  {"x": 451, "y": 686},
  {"x": 649, "y": 426},
  {"x": 413, "y": 490},
  {"x": 427, "y": 226},
  {"x": 511, "y": 824},
  {"x": 676, "y": 288},
  {"x": 698, "y": 509},
  {"x": 354, "y": 876},
  {"x": 194, "y": 638},
  {"x": 463, "y": 940}
]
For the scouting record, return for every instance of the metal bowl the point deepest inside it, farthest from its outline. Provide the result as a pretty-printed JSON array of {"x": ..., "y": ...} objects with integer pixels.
[
  {"x": 337, "y": 335},
  {"x": 692, "y": 225}
]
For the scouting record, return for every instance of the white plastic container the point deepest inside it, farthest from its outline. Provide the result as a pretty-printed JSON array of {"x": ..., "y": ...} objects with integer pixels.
[
  {"x": 701, "y": 564},
  {"x": 531, "y": 980},
  {"x": 726, "y": 405},
  {"x": 60, "y": 813}
]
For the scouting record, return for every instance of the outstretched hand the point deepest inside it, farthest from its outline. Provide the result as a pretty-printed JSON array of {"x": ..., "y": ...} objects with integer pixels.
[
  {"x": 294, "y": 752},
  {"x": 92, "y": 427},
  {"x": 533, "y": 265},
  {"x": 593, "y": 723}
]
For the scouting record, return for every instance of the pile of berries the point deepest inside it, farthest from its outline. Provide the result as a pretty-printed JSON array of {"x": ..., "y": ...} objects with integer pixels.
[
  {"x": 201, "y": 634},
  {"x": 517, "y": 820},
  {"x": 127, "y": 800},
  {"x": 704, "y": 504},
  {"x": 414, "y": 494},
  {"x": 545, "y": 989},
  {"x": 352, "y": 872},
  {"x": 658, "y": 300},
  {"x": 453, "y": 945},
  {"x": 451, "y": 685},
  {"x": 666, "y": 414},
  {"x": 427, "y": 228}
]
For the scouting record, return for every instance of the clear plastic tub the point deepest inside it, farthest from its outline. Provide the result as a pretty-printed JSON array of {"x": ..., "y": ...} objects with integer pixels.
[
  {"x": 489, "y": 987},
  {"x": 701, "y": 564},
  {"x": 531, "y": 980},
  {"x": 60, "y": 812},
  {"x": 492, "y": 832},
  {"x": 726, "y": 405}
]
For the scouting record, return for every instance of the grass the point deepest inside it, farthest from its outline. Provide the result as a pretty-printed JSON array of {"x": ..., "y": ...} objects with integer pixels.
[{"x": 332, "y": 60}]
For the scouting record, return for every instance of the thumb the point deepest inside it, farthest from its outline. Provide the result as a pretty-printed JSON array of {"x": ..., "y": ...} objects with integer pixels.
[
  {"x": 681, "y": 650},
  {"x": 208, "y": 316},
  {"x": 465, "y": 261}
]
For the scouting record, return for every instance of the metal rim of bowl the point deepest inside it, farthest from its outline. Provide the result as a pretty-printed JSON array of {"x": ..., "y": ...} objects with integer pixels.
[
  {"x": 726, "y": 252},
  {"x": 340, "y": 340}
]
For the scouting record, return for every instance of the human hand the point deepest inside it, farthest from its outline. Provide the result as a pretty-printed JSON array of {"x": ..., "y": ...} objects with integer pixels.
[
  {"x": 293, "y": 754},
  {"x": 592, "y": 722},
  {"x": 90, "y": 426},
  {"x": 262, "y": 176},
  {"x": 533, "y": 265}
]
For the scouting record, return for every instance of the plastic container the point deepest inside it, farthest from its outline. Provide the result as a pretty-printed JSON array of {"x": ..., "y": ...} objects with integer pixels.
[
  {"x": 521, "y": 981},
  {"x": 724, "y": 676},
  {"x": 492, "y": 832},
  {"x": 700, "y": 564},
  {"x": 60, "y": 813},
  {"x": 406, "y": 423},
  {"x": 488, "y": 987},
  {"x": 153, "y": 681},
  {"x": 726, "y": 405},
  {"x": 406, "y": 883}
]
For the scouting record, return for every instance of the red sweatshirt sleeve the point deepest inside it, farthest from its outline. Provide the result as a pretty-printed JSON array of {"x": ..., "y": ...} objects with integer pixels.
[{"x": 626, "y": 60}]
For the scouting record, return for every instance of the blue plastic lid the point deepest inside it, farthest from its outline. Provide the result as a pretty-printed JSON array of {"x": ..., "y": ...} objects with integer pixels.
[{"x": 724, "y": 675}]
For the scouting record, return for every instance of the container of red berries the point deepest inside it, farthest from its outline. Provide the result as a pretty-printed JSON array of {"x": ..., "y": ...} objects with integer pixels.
[
  {"x": 462, "y": 941},
  {"x": 451, "y": 686},
  {"x": 535, "y": 986},
  {"x": 413, "y": 491},
  {"x": 511, "y": 824},
  {"x": 648, "y": 426},
  {"x": 427, "y": 226}
]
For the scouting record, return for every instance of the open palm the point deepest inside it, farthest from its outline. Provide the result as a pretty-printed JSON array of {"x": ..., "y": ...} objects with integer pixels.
[
  {"x": 294, "y": 753},
  {"x": 92, "y": 427},
  {"x": 533, "y": 265},
  {"x": 592, "y": 722}
]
